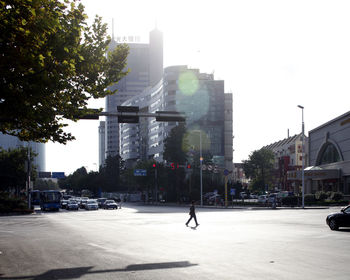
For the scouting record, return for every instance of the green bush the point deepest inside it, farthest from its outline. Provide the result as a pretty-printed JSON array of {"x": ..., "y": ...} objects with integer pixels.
[
  {"x": 9, "y": 204},
  {"x": 336, "y": 196},
  {"x": 321, "y": 195},
  {"x": 309, "y": 198},
  {"x": 290, "y": 201}
]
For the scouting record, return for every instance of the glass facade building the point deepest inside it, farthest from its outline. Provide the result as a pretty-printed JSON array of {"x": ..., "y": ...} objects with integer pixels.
[
  {"x": 145, "y": 63},
  {"x": 206, "y": 106}
]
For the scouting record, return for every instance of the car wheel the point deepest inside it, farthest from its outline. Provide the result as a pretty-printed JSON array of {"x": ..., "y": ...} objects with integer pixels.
[{"x": 333, "y": 225}]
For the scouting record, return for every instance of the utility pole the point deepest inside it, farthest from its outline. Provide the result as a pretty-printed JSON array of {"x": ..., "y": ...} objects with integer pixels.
[
  {"x": 28, "y": 165},
  {"x": 302, "y": 158}
]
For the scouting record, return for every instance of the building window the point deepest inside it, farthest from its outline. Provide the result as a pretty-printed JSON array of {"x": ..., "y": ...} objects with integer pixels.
[{"x": 329, "y": 154}]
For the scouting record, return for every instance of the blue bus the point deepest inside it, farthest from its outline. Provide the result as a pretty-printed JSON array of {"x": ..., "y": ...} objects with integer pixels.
[
  {"x": 50, "y": 200},
  {"x": 35, "y": 197}
]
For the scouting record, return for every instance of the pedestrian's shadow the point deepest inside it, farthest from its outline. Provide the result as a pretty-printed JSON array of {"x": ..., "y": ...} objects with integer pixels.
[{"x": 194, "y": 228}]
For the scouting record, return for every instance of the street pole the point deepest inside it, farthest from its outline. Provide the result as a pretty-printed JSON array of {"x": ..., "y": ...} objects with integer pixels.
[
  {"x": 302, "y": 158},
  {"x": 156, "y": 187},
  {"x": 201, "y": 165},
  {"x": 28, "y": 178}
]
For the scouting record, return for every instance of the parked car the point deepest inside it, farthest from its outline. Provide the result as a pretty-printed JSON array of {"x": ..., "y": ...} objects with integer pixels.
[
  {"x": 243, "y": 195},
  {"x": 100, "y": 201},
  {"x": 64, "y": 203},
  {"x": 91, "y": 204},
  {"x": 262, "y": 199},
  {"x": 212, "y": 198},
  {"x": 271, "y": 198},
  {"x": 110, "y": 204},
  {"x": 83, "y": 202},
  {"x": 340, "y": 219},
  {"x": 72, "y": 205}
]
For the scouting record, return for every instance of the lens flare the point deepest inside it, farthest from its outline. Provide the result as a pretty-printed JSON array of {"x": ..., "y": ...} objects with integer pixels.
[
  {"x": 195, "y": 106},
  {"x": 188, "y": 83},
  {"x": 194, "y": 137}
]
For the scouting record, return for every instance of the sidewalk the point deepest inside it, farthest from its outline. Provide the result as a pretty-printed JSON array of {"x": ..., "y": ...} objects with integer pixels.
[{"x": 235, "y": 207}]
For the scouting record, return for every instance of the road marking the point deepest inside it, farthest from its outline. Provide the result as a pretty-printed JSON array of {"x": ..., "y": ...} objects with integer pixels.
[{"x": 98, "y": 246}]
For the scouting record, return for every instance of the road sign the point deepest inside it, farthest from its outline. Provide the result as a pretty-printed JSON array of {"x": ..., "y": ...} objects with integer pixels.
[
  {"x": 226, "y": 172},
  {"x": 233, "y": 192},
  {"x": 140, "y": 172},
  {"x": 58, "y": 175}
]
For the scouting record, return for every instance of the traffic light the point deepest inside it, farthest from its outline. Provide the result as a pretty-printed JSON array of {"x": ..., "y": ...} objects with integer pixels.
[
  {"x": 128, "y": 118},
  {"x": 154, "y": 165}
]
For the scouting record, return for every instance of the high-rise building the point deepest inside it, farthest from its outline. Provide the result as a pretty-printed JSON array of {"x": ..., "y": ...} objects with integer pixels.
[
  {"x": 145, "y": 62},
  {"x": 206, "y": 106}
]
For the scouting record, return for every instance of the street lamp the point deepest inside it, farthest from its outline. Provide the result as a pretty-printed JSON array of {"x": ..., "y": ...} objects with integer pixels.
[
  {"x": 302, "y": 157},
  {"x": 200, "y": 164}
]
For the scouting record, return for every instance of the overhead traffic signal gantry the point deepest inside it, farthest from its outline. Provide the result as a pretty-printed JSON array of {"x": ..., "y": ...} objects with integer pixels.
[{"x": 131, "y": 114}]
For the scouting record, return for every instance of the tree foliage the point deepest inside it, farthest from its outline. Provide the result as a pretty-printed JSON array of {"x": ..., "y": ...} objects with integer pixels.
[
  {"x": 107, "y": 179},
  {"x": 43, "y": 185},
  {"x": 176, "y": 145},
  {"x": 259, "y": 168},
  {"x": 13, "y": 171},
  {"x": 51, "y": 64}
]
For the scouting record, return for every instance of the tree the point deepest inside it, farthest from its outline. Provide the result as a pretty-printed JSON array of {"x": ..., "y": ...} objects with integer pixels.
[
  {"x": 176, "y": 145},
  {"x": 43, "y": 185},
  {"x": 110, "y": 173},
  {"x": 51, "y": 64},
  {"x": 175, "y": 150},
  {"x": 13, "y": 173},
  {"x": 259, "y": 168}
]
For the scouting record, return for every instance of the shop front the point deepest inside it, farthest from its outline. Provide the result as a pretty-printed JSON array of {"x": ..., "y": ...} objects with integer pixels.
[
  {"x": 329, "y": 157},
  {"x": 316, "y": 179}
]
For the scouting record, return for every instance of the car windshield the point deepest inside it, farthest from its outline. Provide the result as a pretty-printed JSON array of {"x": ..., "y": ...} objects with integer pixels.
[
  {"x": 347, "y": 210},
  {"x": 109, "y": 201},
  {"x": 92, "y": 202}
]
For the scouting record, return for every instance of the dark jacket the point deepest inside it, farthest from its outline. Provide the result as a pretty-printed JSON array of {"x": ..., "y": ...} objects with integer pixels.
[{"x": 192, "y": 210}]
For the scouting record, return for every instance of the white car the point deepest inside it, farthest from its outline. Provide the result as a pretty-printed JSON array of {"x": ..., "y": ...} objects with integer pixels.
[
  {"x": 272, "y": 198},
  {"x": 91, "y": 204},
  {"x": 243, "y": 195},
  {"x": 262, "y": 199}
]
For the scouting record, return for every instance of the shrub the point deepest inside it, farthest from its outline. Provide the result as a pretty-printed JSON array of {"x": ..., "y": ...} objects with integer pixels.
[
  {"x": 290, "y": 201},
  {"x": 309, "y": 198},
  {"x": 8, "y": 205},
  {"x": 321, "y": 195},
  {"x": 336, "y": 196}
]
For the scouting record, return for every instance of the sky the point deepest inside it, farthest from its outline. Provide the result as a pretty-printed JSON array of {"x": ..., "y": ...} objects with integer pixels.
[{"x": 272, "y": 55}]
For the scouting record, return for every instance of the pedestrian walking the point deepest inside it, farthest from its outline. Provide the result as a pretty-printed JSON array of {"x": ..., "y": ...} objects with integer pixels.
[{"x": 192, "y": 214}]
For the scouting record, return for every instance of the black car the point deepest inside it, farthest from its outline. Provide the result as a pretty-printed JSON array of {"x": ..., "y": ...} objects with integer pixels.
[{"x": 341, "y": 219}]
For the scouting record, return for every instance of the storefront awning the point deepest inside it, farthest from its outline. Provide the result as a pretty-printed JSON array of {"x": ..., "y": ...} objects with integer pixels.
[{"x": 314, "y": 174}]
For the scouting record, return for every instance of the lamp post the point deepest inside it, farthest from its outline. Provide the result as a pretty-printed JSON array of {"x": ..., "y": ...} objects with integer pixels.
[
  {"x": 200, "y": 164},
  {"x": 302, "y": 158}
]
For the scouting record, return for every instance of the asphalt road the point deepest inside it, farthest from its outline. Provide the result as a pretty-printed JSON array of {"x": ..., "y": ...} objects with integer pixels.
[{"x": 147, "y": 242}]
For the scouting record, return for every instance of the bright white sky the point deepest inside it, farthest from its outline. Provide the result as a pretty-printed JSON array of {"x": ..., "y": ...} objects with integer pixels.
[{"x": 272, "y": 55}]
